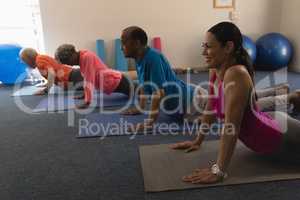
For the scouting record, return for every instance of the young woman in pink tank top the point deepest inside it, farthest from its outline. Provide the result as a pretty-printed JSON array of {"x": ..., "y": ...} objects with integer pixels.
[{"x": 233, "y": 101}]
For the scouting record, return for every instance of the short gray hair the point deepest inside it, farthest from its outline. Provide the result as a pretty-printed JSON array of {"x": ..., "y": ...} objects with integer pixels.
[
  {"x": 64, "y": 52},
  {"x": 29, "y": 53}
]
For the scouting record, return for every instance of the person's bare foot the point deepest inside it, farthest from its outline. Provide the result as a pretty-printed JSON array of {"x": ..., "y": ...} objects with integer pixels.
[
  {"x": 283, "y": 88},
  {"x": 294, "y": 98},
  {"x": 280, "y": 89}
]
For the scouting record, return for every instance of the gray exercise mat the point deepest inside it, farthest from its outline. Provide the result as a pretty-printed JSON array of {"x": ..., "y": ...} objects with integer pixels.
[
  {"x": 163, "y": 168},
  {"x": 66, "y": 102},
  {"x": 27, "y": 91},
  {"x": 32, "y": 89}
]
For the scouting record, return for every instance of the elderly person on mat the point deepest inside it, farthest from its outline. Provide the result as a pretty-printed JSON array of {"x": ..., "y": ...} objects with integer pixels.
[{"x": 50, "y": 69}]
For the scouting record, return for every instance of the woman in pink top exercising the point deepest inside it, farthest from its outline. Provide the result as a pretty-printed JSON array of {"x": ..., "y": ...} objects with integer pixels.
[
  {"x": 233, "y": 101},
  {"x": 95, "y": 73}
]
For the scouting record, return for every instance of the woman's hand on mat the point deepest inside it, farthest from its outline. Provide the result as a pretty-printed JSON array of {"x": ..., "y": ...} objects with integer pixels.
[
  {"x": 188, "y": 146},
  {"x": 202, "y": 176},
  {"x": 41, "y": 92},
  {"x": 78, "y": 97},
  {"x": 131, "y": 111},
  {"x": 41, "y": 85},
  {"x": 83, "y": 106}
]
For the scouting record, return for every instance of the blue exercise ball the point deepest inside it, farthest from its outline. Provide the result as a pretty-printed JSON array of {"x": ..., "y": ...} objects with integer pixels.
[
  {"x": 250, "y": 47},
  {"x": 274, "y": 51},
  {"x": 12, "y": 70}
]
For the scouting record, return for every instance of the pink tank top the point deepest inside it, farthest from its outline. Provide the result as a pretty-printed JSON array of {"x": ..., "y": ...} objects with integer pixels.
[{"x": 259, "y": 132}]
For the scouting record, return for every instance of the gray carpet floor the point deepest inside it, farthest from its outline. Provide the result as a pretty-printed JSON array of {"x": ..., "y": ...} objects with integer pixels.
[{"x": 40, "y": 158}]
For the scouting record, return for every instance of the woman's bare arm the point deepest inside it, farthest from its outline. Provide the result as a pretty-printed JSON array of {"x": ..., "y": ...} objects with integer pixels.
[{"x": 237, "y": 92}]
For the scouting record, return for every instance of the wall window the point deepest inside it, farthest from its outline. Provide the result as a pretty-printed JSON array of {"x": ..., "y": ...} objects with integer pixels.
[{"x": 20, "y": 22}]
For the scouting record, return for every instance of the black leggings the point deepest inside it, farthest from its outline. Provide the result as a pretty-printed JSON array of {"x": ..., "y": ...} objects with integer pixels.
[
  {"x": 290, "y": 148},
  {"x": 75, "y": 76},
  {"x": 75, "y": 79},
  {"x": 125, "y": 86}
]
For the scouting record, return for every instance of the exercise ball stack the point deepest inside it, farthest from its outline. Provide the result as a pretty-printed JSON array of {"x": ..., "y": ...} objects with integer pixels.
[
  {"x": 250, "y": 47},
  {"x": 274, "y": 51},
  {"x": 12, "y": 70}
]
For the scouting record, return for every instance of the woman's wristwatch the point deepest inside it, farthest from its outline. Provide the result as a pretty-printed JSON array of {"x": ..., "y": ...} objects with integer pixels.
[{"x": 215, "y": 169}]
